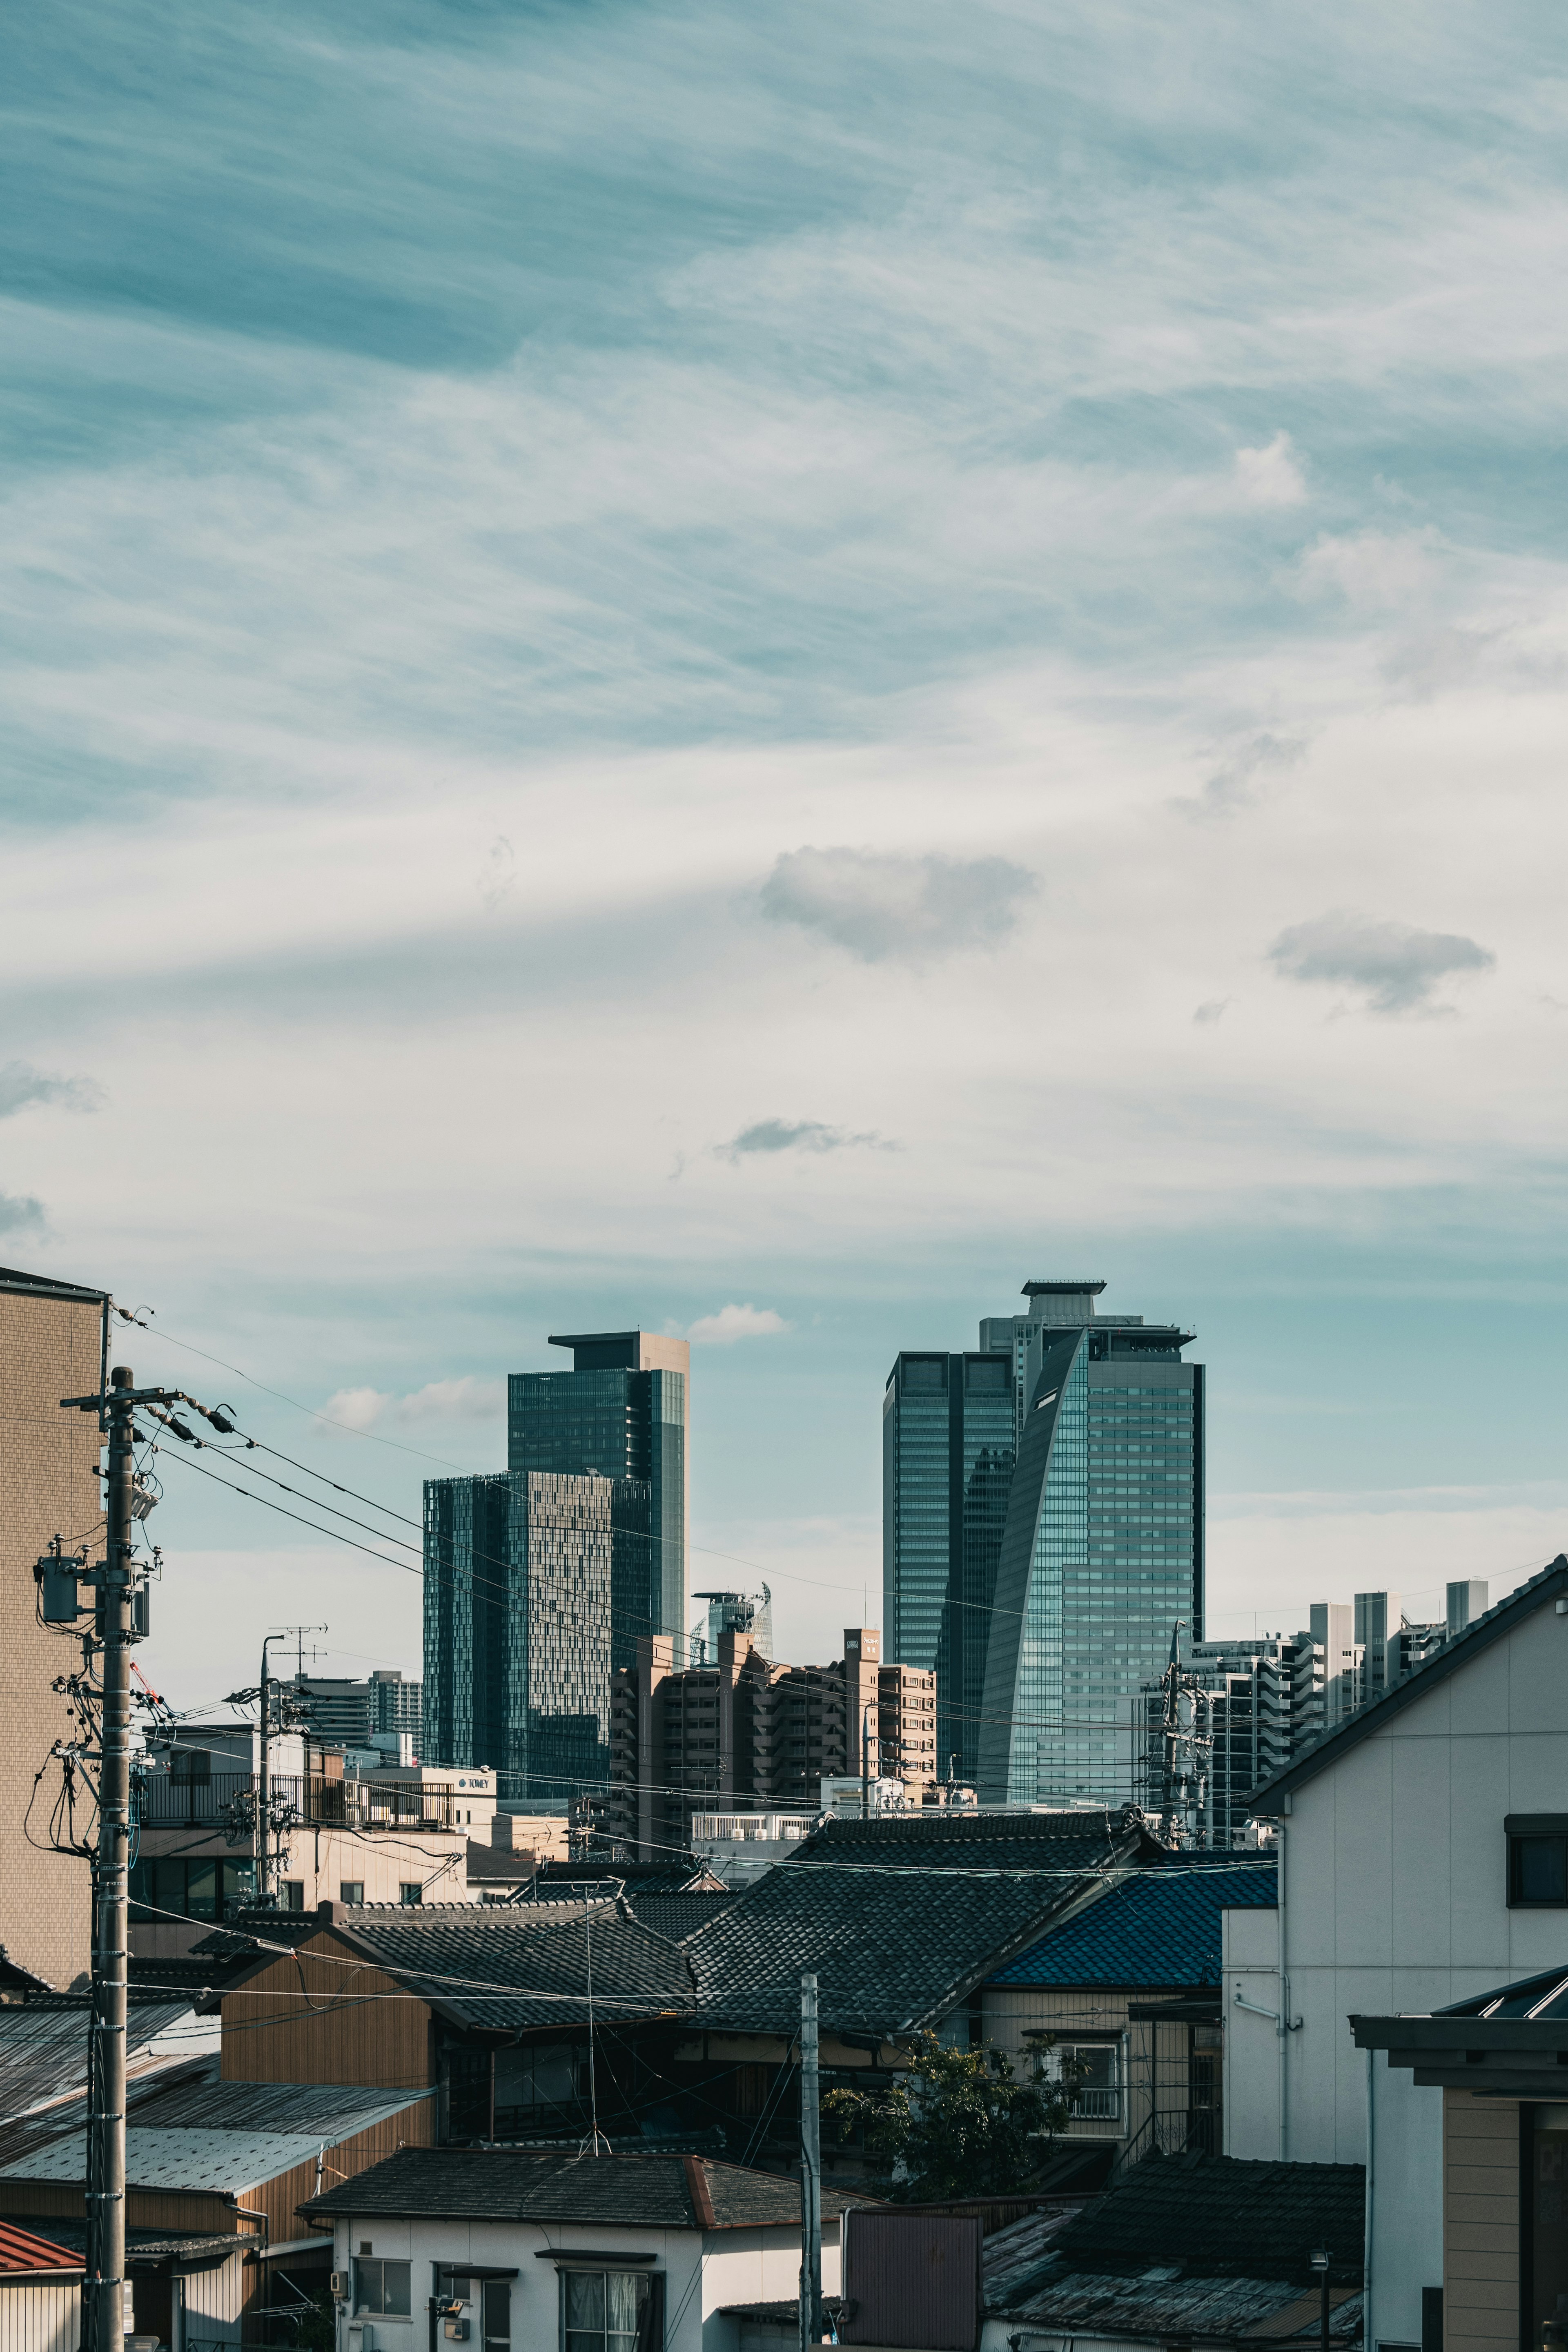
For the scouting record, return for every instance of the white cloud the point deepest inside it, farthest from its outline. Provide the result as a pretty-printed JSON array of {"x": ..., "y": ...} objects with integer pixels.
[
  {"x": 1270, "y": 476},
  {"x": 732, "y": 1323},
  {"x": 1375, "y": 570},
  {"x": 769, "y": 1137},
  {"x": 19, "y": 1212},
  {"x": 1397, "y": 968},
  {"x": 467, "y": 1399},
  {"x": 21, "y": 1085},
  {"x": 879, "y": 905}
]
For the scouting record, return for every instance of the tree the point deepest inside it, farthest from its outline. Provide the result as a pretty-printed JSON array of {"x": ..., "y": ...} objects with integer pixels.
[{"x": 960, "y": 2123}]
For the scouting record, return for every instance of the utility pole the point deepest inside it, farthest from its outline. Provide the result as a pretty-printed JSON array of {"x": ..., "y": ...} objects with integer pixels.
[
  {"x": 264, "y": 1858},
  {"x": 810, "y": 2170},
  {"x": 117, "y": 1623}
]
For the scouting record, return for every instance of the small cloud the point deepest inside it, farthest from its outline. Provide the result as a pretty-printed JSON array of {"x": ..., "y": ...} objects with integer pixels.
[
  {"x": 1207, "y": 1014},
  {"x": 1271, "y": 476},
  {"x": 461, "y": 1400},
  {"x": 498, "y": 874},
  {"x": 1398, "y": 967},
  {"x": 1239, "y": 783},
  {"x": 19, "y": 1212},
  {"x": 732, "y": 1323},
  {"x": 770, "y": 1135},
  {"x": 21, "y": 1085},
  {"x": 887, "y": 908},
  {"x": 1373, "y": 568}
]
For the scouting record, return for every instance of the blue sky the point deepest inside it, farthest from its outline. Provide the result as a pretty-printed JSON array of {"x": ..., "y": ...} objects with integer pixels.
[{"x": 666, "y": 658}]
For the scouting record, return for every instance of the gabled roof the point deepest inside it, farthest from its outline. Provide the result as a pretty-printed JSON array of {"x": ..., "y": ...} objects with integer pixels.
[
  {"x": 894, "y": 1948},
  {"x": 21, "y": 2253},
  {"x": 1158, "y": 1929},
  {"x": 1551, "y": 1584},
  {"x": 938, "y": 1839},
  {"x": 679, "y": 1916},
  {"x": 501, "y": 2184}
]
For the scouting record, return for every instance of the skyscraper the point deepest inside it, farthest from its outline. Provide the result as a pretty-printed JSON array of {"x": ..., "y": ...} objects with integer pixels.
[
  {"x": 948, "y": 1437},
  {"x": 621, "y": 1414},
  {"x": 517, "y": 1628},
  {"x": 1103, "y": 1546}
]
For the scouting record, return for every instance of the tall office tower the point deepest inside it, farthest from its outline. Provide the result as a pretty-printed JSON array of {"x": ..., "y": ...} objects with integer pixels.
[
  {"x": 1104, "y": 1546},
  {"x": 1467, "y": 1601},
  {"x": 620, "y": 1413},
  {"x": 948, "y": 1435},
  {"x": 750, "y": 1613},
  {"x": 517, "y": 1628},
  {"x": 53, "y": 1344}
]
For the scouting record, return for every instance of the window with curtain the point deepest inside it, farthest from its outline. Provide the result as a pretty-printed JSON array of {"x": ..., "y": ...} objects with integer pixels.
[{"x": 604, "y": 2311}]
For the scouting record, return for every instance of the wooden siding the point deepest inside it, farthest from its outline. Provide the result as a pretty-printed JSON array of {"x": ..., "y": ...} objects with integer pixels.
[
  {"x": 309, "y": 2019},
  {"x": 40, "y": 2314},
  {"x": 1480, "y": 2224}
]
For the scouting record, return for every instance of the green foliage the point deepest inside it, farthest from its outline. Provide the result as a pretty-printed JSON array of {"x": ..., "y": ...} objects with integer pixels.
[
  {"x": 318, "y": 2327},
  {"x": 960, "y": 2123}
]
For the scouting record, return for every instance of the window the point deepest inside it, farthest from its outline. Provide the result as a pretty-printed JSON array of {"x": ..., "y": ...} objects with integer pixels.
[
  {"x": 350, "y": 1890},
  {"x": 1090, "y": 2068},
  {"x": 382, "y": 2288},
  {"x": 293, "y": 1894},
  {"x": 605, "y": 2311},
  {"x": 1539, "y": 1871},
  {"x": 411, "y": 1890}
]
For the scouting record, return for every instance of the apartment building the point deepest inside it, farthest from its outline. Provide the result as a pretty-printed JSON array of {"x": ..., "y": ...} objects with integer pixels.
[{"x": 742, "y": 1732}]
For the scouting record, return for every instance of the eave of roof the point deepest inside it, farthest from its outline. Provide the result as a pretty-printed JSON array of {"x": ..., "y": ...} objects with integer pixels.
[
  {"x": 1552, "y": 1583},
  {"x": 47, "y": 1286}
]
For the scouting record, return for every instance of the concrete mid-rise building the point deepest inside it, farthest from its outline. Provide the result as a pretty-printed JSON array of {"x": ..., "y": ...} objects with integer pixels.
[
  {"x": 53, "y": 1344},
  {"x": 354, "y": 1714},
  {"x": 746, "y": 1733}
]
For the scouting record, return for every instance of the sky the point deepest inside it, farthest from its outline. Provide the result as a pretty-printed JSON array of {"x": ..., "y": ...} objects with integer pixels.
[{"x": 761, "y": 672}]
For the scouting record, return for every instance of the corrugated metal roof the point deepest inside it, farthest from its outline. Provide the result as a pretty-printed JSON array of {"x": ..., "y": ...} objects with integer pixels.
[
  {"x": 1161, "y": 1927},
  {"x": 202, "y": 2134},
  {"x": 43, "y": 2044},
  {"x": 1163, "y": 2303},
  {"x": 178, "y": 2159},
  {"x": 21, "y": 2251}
]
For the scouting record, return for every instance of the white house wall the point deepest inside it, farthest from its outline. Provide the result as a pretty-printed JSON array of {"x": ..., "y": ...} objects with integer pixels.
[
  {"x": 40, "y": 2314},
  {"x": 736, "y": 2266}
]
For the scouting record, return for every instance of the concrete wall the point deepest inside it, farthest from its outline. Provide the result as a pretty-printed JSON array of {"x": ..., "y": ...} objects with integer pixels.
[{"x": 49, "y": 1347}]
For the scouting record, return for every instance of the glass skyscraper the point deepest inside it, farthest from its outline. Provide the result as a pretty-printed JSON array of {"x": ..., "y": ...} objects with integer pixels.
[
  {"x": 517, "y": 1626},
  {"x": 619, "y": 1414},
  {"x": 1103, "y": 1546},
  {"x": 948, "y": 1438}
]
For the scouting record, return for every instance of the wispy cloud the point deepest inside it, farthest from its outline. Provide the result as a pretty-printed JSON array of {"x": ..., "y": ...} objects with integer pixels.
[
  {"x": 21, "y": 1086},
  {"x": 1245, "y": 773},
  {"x": 734, "y": 1322},
  {"x": 775, "y": 1135},
  {"x": 1396, "y": 969},
  {"x": 19, "y": 1212},
  {"x": 881, "y": 905},
  {"x": 463, "y": 1399},
  {"x": 1271, "y": 476}
]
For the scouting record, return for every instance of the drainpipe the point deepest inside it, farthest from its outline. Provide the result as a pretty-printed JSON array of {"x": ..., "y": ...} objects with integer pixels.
[
  {"x": 252, "y": 2213},
  {"x": 1284, "y": 1991}
]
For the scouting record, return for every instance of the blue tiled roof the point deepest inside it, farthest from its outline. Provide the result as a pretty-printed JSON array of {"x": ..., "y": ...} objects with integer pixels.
[{"x": 1160, "y": 1928}]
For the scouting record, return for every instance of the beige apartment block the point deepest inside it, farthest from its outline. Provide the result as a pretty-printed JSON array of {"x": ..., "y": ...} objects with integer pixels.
[{"x": 52, "y": 1337}]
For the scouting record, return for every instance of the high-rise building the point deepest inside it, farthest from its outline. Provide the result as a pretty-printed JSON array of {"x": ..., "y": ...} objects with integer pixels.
[
  {"x": 342, "y": 1712},
  {"x": 516, "y": 1627},
  {"x": 1467, "y": 1601},
  {"x": 949, "y": 1427},
  {"x": 621, "y": 1414},
  {"x": 743, "y": 1731},
  {"x": 733, "y": 1612},
  {"x": 1103, "y": 1546},
  {"x": 53, "y": 1344}
]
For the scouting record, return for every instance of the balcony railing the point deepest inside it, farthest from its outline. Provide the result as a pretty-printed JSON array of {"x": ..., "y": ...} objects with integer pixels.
[{"x": 227, "y": 1801}]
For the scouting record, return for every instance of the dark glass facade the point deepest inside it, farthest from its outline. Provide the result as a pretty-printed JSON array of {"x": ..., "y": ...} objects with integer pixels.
[
  {"x": 518, "y": 1572},
  {"x": 1101, "y": 1554},
  {"x": 617, "y": 1421},
  {"x": 947, "y": 1466}
]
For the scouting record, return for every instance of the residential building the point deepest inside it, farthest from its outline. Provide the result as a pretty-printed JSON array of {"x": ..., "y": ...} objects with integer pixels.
[
  {"x": 1467, "y": 1601},
  {"x": 54, "y": 1339},
  {"x": 1230, "y": 1718},
  {"x": 182, "y": 2286},
  {"x": 600, "y": 2253},
  {"x": 1423, "y": 1860},
  {"x": 745, "y": 1731},
  {"x": 518, "y": 1578},
  {"x": 948, "y": 1442},
  {"x": 389, "y": 1836},
  {"x": 1102, "y": 1548},
  {"x": 620, "y": 1414},
  {"x": 348, "y": 1714}
]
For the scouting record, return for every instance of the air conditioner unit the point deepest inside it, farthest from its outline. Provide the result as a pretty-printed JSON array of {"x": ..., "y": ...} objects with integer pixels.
[
  {"x": 338, "y": 2285},
  {"x": 456, "y": 2331}
]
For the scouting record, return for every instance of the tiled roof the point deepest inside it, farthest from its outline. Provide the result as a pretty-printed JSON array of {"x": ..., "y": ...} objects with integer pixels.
[
  {"x": 679, "y": 1874},
  {"x": 43, "y": 2042},
  {"x": 21, "y": 2251},
  {"x": 1223, "y": 2216},
  {"x": 498, "y": 2184},
  {"x": 1159, "y": 1929},
  {"x": 893, "y": 1948},
  {"x": 942, "y": 1840},
  {"x": 518, "y": 1965},
  {"x": 677, "y": 1917},
  {"x": 1165, "y": 2304}
]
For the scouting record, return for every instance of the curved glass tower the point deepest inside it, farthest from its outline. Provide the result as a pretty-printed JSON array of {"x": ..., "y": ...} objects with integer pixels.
[{"x": 1102, "y": 1548}]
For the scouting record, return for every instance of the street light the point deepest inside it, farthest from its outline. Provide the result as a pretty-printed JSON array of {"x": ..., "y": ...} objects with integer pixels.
[{"x": 1320, "y": 2259}]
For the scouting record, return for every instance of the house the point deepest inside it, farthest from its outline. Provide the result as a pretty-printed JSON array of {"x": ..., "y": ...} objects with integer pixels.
[
  {"x": 1422, "y": 1859},
  {"x": 1187, "y": 2250},
  {"x": 206, "y": 2160},
  {"x": 1498, "y": 2063},
  {"x": 1129, "y": 1990},
  {"x": 41, "y": 2293},
  {"x": 507, "y": 2247},
  {"x": 185, "y": 2288}
]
